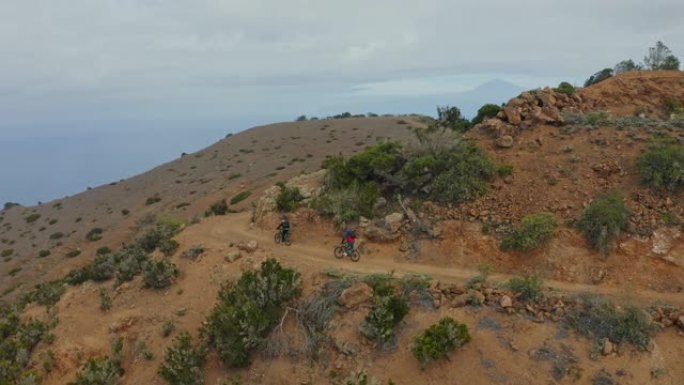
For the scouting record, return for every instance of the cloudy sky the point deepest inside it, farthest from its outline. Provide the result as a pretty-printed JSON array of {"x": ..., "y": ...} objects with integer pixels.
[{"x": 115, "y": 67}]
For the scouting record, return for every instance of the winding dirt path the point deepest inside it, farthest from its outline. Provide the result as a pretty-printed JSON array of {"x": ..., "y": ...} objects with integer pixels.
[{"x": 318, "y": 253}]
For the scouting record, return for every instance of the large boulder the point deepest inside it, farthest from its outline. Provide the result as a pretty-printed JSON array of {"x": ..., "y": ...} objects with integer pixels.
[
  {"x": 393, "y": 222},
  {"x": 355, "y": 295},
  {"x": 505, "y": 141},
  {"x": 249, "y": 247},
  {"x": 309, "y": 185},
  {"x": 512, "y": 115}
]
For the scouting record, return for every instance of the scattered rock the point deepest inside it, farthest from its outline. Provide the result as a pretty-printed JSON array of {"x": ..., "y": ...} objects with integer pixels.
[
  {"x": 355, "y": 295},
  {"x": 459, "y": 300},
  {"x": 680, "y": 321},
  {"x": 249, "y": 247},
  {"x": 663, "y": 240},
  {"x": 505, "y": 301},
  {"x": 233, "y": 256},
  {"x": 505, "y": 141},
  {"x": 608, "y": 347},
  {"x": 364, "y": 222},
  {"x": 393, "y": 222}
]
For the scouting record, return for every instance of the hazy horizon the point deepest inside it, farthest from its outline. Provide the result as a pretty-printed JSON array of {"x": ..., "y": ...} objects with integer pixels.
[{"x": 93, "y": 91}]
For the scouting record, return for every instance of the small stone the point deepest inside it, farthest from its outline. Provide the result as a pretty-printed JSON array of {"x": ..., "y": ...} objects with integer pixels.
[
  {"x": 505, "y": 141},
  {"x": 513, "y": 346},
  {"x": 459, "y": 300},
  {"x": 356, "y": 295},
  {"x": 608, "y": 347},
  {"x": 505, "y": 301},
  {"x": 233, "y": 256}
]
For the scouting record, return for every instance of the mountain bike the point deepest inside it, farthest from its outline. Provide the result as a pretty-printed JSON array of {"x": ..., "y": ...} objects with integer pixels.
[
  {"x": 278, "y": 238},
  {"x": 344, "y": 250}
]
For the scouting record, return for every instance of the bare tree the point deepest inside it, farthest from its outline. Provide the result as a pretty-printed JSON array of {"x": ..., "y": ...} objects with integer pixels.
[{"x": 660, "y": 58}]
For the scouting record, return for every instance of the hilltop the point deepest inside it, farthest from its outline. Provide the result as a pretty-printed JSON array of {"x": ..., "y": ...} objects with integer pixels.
[{"x": 553, "y": 152}]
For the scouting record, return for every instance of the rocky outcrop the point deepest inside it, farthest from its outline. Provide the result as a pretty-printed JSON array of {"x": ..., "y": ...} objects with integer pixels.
[
  {"x": 309, "y": 185},
  {"x": 356, "y": 295}
]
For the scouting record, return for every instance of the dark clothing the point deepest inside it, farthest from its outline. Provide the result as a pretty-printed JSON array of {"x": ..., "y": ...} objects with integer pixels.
[{"x": 284, "y": 228}]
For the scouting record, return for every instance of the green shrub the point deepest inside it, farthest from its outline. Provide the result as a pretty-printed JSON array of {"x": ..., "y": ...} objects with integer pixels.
[
  {"x": 504, "y": 170},
  {"x": 152, "y": 200},
  {"x": 57, "y": 235},
  {"x": 530, "y": 288},
  {"x": 439, "y": 340},
  {"x": 43, "y": 253},
  {"x": 288, "y": 198},
  {"x": 159, "y": 274},
  {"x": 73, "y": 253},
  {"x": 168, "y": 246},
  {"x": 46, "y": 294},
  {"x": 7, "y": 252},
  {"x": 103, "y": 250},
  {"x": 534, "y": 230},
  {"x": 183, "y": 362},
  {"x": 565, "y": 88},
  {"x": 129, "y": 262},
  {"x": 240, "y": 197},
  {"x": 162, "y": 232},
  {"x": 662, "y": 166},
  {"x": 603, "y": 220},
  {"x": 486, "y": 112},
  {"x": 248, "y": 309},
  {"x": 94, "y": 234},
  {"x": 14, "y": 271},
  {"x": 32, "y": 218},
  {"x": 387, "y": 309},
  {"x": 105, "y": 300},
  {"x": 193, "y": 252},
  {"x": 167, "y": 328},
  {"x": 17, "y": 341},
  {"x": 234, "y": 176},
  {"x": 218, "y": 208},
  {"x": 99, "y": 371},
  {"x": 600, "y": 320}
]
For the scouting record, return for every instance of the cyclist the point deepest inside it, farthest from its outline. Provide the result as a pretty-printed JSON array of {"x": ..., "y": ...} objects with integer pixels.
[
  {"x": 348, "y": 239},
  {"x": 284, "y": 228}
]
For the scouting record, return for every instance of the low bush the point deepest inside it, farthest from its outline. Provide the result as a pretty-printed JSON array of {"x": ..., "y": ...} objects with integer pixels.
[
  {"x": 168, "y": 247},
  {"x": 73, "y": 253},
  {"x": 248, "y": 309},
  {"x": 183, "y": 362},
  {"x": 530, "y": 288},
  {"x": 565, "y": 88},
  {"x": 152, "y": 200},
  {"x": 46, "y": 294},
  {"x": 103, "y": 250},
  {"x": 159, "y": 274},
  {"x": 504, "y": 170},
  {"x": 661, "y": 167},
  {"x": 94, "y": 234},
  {"x": 217, "y": 208},
  {"x": 600, "y": 320},
  {"x": 534, "y": 230},
  {"x": 167, "y": 328},
  {"x": 485, "y": 112},
  {"x": 43, "y": 253},
  {"x": 7, "y": 252},
  {"x": 387, "y": 309},
  {"x": 439, "y": 340},
  {"x": 57, "y": 235},
  {"x": 163, "y": 231},
  {"x": 240, "y": 197},
  {"x": 32, "y": 218},
  {"x": 105, "y": 300},
  {"x": 603, "y": 220},
  {"x": 99, "y": 371},
  {"x": 288, "y": 198},
  {"x": 18, "y": 339},
  {"x": 193, "y": 252}
]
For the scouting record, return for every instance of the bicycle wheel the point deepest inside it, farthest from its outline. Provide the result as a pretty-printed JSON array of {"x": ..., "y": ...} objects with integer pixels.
[
  {"x": 277, "y": 237},
  {"x": 288, "y": 239},
  {"x": 355, "y": 256},
  {"x": 339, "y": 252}
]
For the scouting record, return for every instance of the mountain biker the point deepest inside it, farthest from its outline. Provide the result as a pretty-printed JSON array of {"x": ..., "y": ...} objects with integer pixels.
[
  {"x": 348, "y": 239},
  {"x": 284, "y": 228}
]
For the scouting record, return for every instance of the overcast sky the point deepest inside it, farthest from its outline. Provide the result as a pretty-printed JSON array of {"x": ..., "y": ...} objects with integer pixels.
[{"x": 76, "y": 66}]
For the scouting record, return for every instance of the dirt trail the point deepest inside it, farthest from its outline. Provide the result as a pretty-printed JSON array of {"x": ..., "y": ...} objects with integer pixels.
[{"x": 312, "y": 251}]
